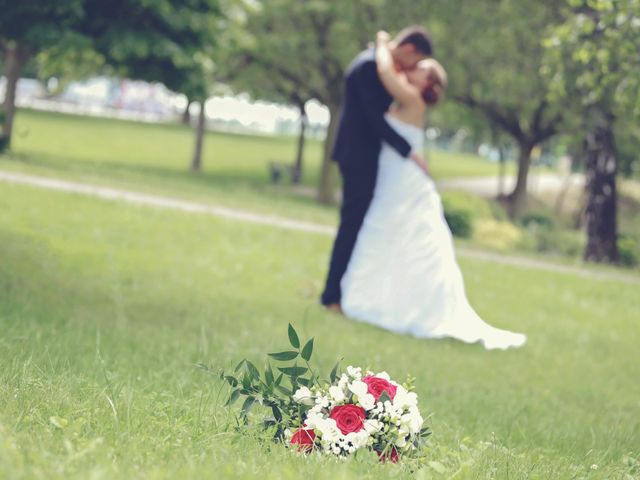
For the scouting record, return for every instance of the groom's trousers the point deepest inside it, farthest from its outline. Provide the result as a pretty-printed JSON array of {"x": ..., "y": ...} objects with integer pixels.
[{"x": 357, "y": 192}]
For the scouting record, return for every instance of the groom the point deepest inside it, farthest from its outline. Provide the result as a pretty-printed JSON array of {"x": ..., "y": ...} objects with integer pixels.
[{"x": 361, "y": 131}]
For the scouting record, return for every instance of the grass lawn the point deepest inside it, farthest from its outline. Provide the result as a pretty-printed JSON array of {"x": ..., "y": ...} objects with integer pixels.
[
  {"x": 155, "y": 158},
  {"x": 105, "y": 308}
]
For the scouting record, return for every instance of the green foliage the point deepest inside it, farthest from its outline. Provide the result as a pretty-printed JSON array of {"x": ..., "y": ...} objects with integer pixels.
[
  {"x": 38, "y": 24},
  {"x": 629, "y": 249},
  {"x": 462, "y": 210},
  {"x": 593, "y": 59},
  {"x": 268, "y": 391},
  {"x": 459, "y": 221},
  {"x": 537, "y": 219}
]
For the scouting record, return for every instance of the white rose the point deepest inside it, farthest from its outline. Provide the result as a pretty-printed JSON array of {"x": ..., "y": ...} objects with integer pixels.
[
  {"x": 372, "y": 426},
  {"x": 337, "y": 394},
  {"x": 354, "y": 372},
  {"x": 304, "y": 396},
  {"x": 360, "y": 390},
  {"x": 404, "y": 399},
  {"x": 384, "y": 375}
]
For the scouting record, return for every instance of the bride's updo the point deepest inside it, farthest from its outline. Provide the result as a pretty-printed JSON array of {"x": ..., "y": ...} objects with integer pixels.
[{"x": 436, "y": 83}]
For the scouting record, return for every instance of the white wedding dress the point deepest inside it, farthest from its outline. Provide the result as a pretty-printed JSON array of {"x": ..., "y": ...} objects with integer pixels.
[{"x": 403, "y": 275}]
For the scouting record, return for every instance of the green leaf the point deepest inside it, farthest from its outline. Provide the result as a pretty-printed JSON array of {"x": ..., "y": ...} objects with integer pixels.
[
  {"x": 307, "y": 350},
  {"x": 284, "y": 356},
  {"x": 284, "y": 390},
  {"x": 233, "y": 397},
  {"x": 293, "y": 371},
  {"x": 239, "y": 366},
  {"x": 276, "y": 413},
  {"x": 293, "y": 337},
  {"x": 334, "y": 372},
  {"x": 278, "y": 380},
  {"x": 252, "y": 370},
  {"x": 233, "y": 381},
  {"x": 246, "y": 381},
  {"x": 246, "y": 406},
  {"x": 304, "y": 381},
  {"x": 384, "y": 397},
  {"x": 268, "y": 374}
]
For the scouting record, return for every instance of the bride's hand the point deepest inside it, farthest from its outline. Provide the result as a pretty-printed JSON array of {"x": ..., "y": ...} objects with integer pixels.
[
  {"x": 382, "y": 37},
  {"x": 421, "y": 162}
]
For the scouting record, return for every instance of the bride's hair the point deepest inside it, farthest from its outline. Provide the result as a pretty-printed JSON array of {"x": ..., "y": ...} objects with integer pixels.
[{"x": 436, "y": 81}]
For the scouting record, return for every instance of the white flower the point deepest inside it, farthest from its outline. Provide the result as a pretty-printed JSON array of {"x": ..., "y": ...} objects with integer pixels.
[
  {"x": 384, "y": 375},
  {"x": 322, "y": 401},
  {"x": 354, "y": 372},
  {"x": 325, "y": 427},
  {"x": 337, "y": 394},
  {"x": 357, "y": 439},
  {"x": 404, "y": 399},
  {"x": 413, "y": 420},
  {"x": 343, "y": 382},
  {"x": 360, "y": 390},
  {"x": 304, "y": 396},
  {"x": 372, "y": 426}
]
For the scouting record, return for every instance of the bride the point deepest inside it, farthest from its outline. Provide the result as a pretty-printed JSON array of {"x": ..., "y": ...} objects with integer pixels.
[{"x": 403, "y": 275}]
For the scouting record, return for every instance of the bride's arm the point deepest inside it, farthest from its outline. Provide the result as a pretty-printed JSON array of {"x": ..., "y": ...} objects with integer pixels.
[{"x": 397, "y": 85}]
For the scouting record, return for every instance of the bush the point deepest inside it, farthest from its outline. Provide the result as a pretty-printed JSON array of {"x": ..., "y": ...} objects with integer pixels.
[
  {"x": 550, "y": 239},
  {"x": 459, "y": 221},
  {"x": 497, "y": 234},
  {"x": 462, "y": 210},
  {"x": 537, "y": 218},
  {"x": 629, "y": 251}
]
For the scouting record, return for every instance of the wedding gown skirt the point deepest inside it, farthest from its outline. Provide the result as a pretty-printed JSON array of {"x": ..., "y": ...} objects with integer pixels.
[{"x": 403, "y": 275}]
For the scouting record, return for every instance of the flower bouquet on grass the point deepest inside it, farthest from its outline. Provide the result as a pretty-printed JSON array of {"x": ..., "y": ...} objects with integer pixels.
[{"x": 351, "y": 411}]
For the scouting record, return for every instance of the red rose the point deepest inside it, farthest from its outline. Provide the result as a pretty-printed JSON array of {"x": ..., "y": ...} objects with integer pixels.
[
  {"x": 349, "y": 418},
  {"x": 378, "y": 385},
  {"x": 304, "y": 439},
  {"x": 389, "y": 454}
]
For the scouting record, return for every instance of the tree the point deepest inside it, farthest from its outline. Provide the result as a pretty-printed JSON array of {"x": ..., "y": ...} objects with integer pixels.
[
  {"x": 309, "y": 45},
  {"x": 277, "y": 89},
  {"x": 593, "y": 58},
  {"x": 493, "y": 51},
  {"x": 172, "y": 42},
  {"x": 27, "y": 28}
]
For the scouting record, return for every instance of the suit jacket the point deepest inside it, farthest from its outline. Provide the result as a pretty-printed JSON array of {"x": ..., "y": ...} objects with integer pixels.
[{"x": 362, "y": 126}]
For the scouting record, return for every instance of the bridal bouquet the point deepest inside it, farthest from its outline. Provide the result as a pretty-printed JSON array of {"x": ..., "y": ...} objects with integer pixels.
[{"x": 351, "y": 411}]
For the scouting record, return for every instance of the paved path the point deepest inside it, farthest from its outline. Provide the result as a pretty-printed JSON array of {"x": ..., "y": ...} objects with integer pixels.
[
  {"x": 159, "y": 201},
  {"x": 489, "y": 186}
]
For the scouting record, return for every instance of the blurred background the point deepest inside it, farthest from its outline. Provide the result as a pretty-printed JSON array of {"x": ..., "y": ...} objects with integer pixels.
[{"x": 540, "y": 95}]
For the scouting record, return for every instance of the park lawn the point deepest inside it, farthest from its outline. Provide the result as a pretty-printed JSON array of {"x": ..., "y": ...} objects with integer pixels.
[
  {"x": 156, "y": 157},
  {"x": 105, "y": 308}
]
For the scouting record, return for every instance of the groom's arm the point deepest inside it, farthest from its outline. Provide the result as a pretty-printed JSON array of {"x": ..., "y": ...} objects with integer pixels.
[{"x": 367, "y": 88}]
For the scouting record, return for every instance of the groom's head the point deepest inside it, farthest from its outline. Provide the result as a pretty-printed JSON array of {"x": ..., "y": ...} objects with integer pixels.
[{"x": 410, "y": 46}]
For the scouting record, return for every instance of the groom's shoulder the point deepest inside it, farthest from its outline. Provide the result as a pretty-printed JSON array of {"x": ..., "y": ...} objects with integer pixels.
[{"x": 365, "y": 57}]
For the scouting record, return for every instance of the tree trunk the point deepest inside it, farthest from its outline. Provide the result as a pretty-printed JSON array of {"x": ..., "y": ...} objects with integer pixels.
[
  {"x": 186, "y": 116},
  {"x": 326, "y": 188},
  {"x": 518, "y": 197},
  {"x": 601, "y": 169},
  {"x": 196, "y": 163},
  {"x": 15, "y": 59},
  {"x": 297, "y": 167}
]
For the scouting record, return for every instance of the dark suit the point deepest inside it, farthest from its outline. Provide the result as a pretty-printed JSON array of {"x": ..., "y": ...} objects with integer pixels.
[{"x": 361, "y": 130}]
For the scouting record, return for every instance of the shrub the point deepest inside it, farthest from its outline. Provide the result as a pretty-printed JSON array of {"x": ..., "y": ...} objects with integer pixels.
[
  {"x": 550, "y": 239},
  {"x": 537, "y": 218},
  {"x": 459, "y": 221},
  {"x": 462, "y": 210},
  {"x": 629, "y": 251},
  {"x": 497, "y": 234}
]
